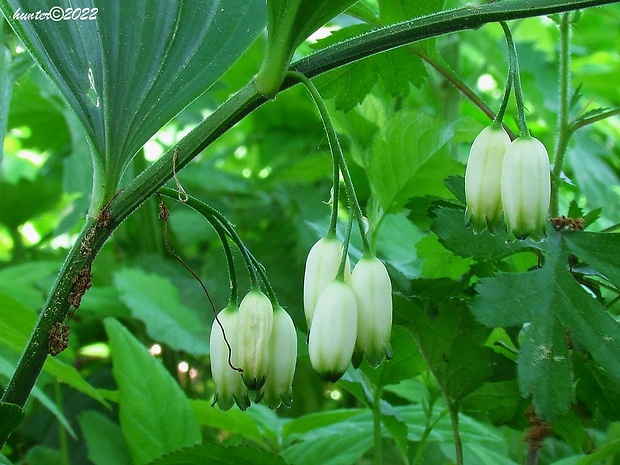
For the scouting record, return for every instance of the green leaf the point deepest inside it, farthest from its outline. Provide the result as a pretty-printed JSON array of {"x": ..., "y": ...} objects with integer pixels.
[
  {"x": 154, "y": 300},
  {"x": 155, "y": 415},
  {"x": 499, "y": 400},
  {"x": 449, "y": 225},
  {"x": 233, "y": 421},
  {"x": 215, "y": 453},
  {"x": 16, "y": 323},
  {"x": 23, "y": 282},
  {"x": 411, "y": 159},
  {"x": 104, "y": 439},
  {"x": 600, "y": 251},
  {"x": 440, "y": 262},
  {"x": 393, "y": 11},
  {"x": 452, "y": 344},
  {"x": 125, "y": 79},
  {"x": 11, "y": 415},
  {"x": 552, "y": 302},
  {"x": 26, "y": 199}
]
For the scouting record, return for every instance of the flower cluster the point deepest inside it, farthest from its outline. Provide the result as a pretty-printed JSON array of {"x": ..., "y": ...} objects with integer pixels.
[
  {"x": 349, "y": 319},
  {"x": 509, "y": 177},
  {"x": 256, "y": 351}
]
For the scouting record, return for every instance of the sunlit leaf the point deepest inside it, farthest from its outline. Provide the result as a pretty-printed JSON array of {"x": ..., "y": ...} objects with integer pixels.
[
  {"x": 155, "y": 415},
  {"x": 125, "y": 78}
]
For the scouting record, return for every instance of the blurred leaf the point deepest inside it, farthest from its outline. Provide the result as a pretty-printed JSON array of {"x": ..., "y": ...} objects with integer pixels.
[
  {"x": 104, "y": 439},
  {"x": 16, "y": 323},
  {"x": 341, "y": 443},
  {"x": 11, "y": 415},
  {"x": 410, "y": 159},
  {"x": 599, "y": 250},
  {"x": 440, "y": 262},
  {"x": 155, "y": 301},
  {"x": 552, "y": 302},
  {"x": 125, "y": 82},
  {"x": 23, "y": 281},
  {"x": 215, "y": 453},
  {"x": 26, "y": 199},
  {"x": 393, "y": 11},
  {"x": 232, "y": 422},
  {"x": 44, "y": 454},
  {"x": 155, "y": 415}
]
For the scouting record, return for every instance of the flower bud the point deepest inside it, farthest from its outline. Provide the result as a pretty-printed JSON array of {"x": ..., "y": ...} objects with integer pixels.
[
  {"x": 373, "y": 290},
  {"x": 333, "y": 331},
  {"x": 321, "y": 268},
  {"x": 526, "y": 188},
  {"x": 229, "y": 387},
  {"x": 254, "y": 330},
  {"x": 483, "y": 178},
  {"x": 282, "y": 359}
]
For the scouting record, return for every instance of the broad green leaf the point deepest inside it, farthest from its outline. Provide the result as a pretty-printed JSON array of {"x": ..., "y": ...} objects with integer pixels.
[
  {"x": 451, "y": 342},
  {"x": 233, "y": 421},
  {"x": 11, "y": 415},
  {"x": 23, "y": 282},
  {"x": 104, "y": 439},
  {"x": 154, "y": 300},
  {"x": 16, "y": 323},
  {"x": 44, "y": 454},
  {"x": 155, "y": 415},
  {"x": 313, "y": 421},
  {"x": 554, "y": 305},
  {"x": 499, "y": 400},
  {"x": 7, "y": 369},
  {"x": 338, "y": 444},
  {"x": 126, "y": 78},
  {"x": 393, "y": 11},
  {"x": 26, "y": 199},
  {"x": 439, "y": 262},
  {"x": 214, "y": 453},
  {"x": 410, "y": 159}
]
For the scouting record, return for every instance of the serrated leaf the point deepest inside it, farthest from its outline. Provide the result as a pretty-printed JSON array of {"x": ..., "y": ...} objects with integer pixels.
[
  {"x": 499, "y": 400},
  {"x": 155, "y": 415},
  {"x": 104, "y": 439},
  {"x": 449, "y": 225},
  {"x": 125, "y": 80},
  {"x": 599, "y": 250},
  {"x": 411, "y": 159},
  {"x": 553, "y": 303},
  {"x": 215, "y": 453},
  {"x": 439, "y": 262},
  {"x": 451, "y": 342},
  {"x": 154, "y": 300}
]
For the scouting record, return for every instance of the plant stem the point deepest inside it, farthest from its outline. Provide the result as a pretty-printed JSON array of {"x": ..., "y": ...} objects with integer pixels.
[
  {"x": 62, "y": 432},
  {"x": 564, "y": 131},
  {"x": 515, "y": 76},
  {"x": 93, "y": 236},
  {"x": 532, "y": 457},
  {"x": 581, "y": 122},
  {"x": 338, "y": 156},
  {"x": 458, "y": 445}
]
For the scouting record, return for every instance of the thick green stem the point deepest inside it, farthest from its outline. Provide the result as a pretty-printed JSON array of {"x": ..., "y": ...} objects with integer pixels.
[
  {"x": 93, "y": 236},
  {"x": 564, "y": 131},
  {"x": 458, "y": 445},
  {"x": 376, "y": 420}
]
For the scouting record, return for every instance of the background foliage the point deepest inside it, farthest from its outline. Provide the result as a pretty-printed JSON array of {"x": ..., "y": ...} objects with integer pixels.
[{"x": 483, "y": 328}]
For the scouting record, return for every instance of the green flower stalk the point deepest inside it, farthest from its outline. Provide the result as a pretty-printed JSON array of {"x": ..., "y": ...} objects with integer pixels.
[
  {"x": 321, "y": 269},
  {"x": 278, "y": 387},
  {"x": 526, "y": 188},
  {"x": 373, "y": 290},
  {"x": 254, "y": 327},
  {"x": 483, "y": 177},
  {"x": 229, "y": 387},
  {"x": 333, "y": 332}
]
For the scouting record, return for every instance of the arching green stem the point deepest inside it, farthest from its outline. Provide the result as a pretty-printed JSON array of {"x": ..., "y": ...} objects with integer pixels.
[
  {"x": 499, "y": 117},
  {"x": 515, "y": 76},
  {"x": 337, "y": 155}
]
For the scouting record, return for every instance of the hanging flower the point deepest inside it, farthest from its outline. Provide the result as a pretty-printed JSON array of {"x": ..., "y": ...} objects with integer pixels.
[
  {"x": 254, "y": 330},
  {"x": 229, "y": 387},
  {"x": 282, "y": 359},
  {"x": 332, "y": 335},
  {"x": 526, "y": 188},
  {"x": 483, "y": 178},
  {"x": 373, "y": 290},
  {"x": 321, "y": 268}
]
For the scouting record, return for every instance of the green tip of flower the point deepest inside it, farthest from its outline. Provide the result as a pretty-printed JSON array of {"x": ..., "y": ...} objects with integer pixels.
[
  {"x": 254, "y": 384},
  {"x": 331, "y": 376}
]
